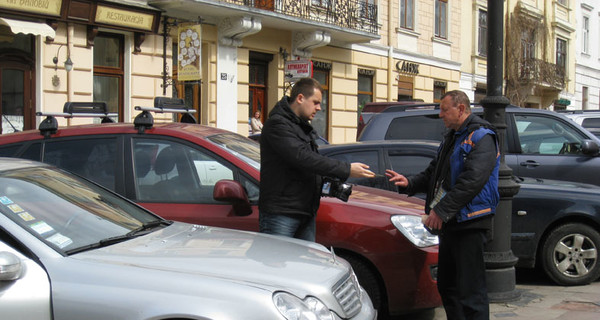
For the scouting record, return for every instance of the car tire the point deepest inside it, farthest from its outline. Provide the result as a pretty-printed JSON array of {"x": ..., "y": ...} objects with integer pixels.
[
  {"x": 369, "y": 281},
  {"x": 570, "y": 254}
]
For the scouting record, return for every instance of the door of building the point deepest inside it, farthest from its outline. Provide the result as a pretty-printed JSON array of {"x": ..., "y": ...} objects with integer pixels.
[
  {"x": 17, "y": 107},
  {"x": 258, "y": 78}
]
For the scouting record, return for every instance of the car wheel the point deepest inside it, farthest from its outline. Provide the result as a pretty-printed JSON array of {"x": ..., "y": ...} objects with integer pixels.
[
  {"x": 369, "y": 281},
  {"x": 570, "y": 254}
]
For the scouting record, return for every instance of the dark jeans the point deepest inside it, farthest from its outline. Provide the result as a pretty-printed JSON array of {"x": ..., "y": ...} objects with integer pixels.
[
  {"x": 300, "y": 226},
  {"x": 461, "y": 275}
]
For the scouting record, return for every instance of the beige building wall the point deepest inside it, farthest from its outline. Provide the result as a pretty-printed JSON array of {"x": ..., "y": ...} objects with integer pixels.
[{"x": 143, "y": 78}]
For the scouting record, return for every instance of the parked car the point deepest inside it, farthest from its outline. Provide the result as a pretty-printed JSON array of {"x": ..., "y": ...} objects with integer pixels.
[
  {"x": 205, "y": 175},
  {"x": 372, "y": 108},
  {"x": 70, "y": 249},
  {"x": 589, "y": 119},
  {"x": 555, "y": 224},
  {"x": 320, "y": 140},
  {"x": 538, "y": 143}
]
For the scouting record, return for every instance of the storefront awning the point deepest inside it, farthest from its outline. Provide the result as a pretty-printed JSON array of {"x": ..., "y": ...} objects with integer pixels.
[{"x": 26, "y": 27}]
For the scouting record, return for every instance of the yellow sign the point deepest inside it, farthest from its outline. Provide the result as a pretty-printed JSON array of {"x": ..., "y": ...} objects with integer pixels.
[
  {"x": 189, "y": 52},
  {"x": 48, "y": 7},
  {"x": 124, "y": 18}
]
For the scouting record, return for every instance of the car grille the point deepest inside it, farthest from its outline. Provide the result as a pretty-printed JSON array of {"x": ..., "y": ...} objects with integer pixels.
[{"x": 347, "y": 293}]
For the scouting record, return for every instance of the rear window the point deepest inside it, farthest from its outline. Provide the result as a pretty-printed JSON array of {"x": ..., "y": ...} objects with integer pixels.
[
  {"x": 591, "y": 123},
  {"x": 428, "y": 127}
]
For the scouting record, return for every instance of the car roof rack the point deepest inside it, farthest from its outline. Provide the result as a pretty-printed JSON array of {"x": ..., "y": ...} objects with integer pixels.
[
  {"x": 49, "y": 125},
  {"x": 144, "y": 120}
]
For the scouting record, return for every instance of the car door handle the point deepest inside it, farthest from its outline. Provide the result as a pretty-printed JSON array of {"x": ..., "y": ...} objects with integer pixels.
[{"x": 530, "y": 163}]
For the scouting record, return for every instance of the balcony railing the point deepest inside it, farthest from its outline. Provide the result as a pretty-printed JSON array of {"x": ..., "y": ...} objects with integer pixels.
[
  {"x": 542, "y": 72},
  {"x": 353, "y": 14}
]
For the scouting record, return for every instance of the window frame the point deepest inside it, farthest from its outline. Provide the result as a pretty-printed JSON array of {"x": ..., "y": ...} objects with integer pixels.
[
  {"x": 561, "y": 55},
  {"x": 441, "y": 19},
  {"x": 482, "y": 35},
  {"x": 585, "y": 37},
  {"x": 114, "y": 72},
  {"x": 407, "y": 18}
]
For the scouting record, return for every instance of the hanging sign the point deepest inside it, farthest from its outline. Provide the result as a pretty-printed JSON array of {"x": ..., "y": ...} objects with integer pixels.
[
  {"x": 189, "y": 52},
  {"x": 298, "y": 69}
]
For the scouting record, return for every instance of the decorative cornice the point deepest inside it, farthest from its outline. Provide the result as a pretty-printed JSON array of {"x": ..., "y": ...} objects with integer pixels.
[
  {"x": 304, "y": 42},
  {"x": 233, "y": 29}
]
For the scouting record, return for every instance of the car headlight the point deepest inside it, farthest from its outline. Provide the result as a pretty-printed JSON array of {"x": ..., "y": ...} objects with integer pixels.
[
  {"x": 294, "y": 308},
  {"x": 414, "y": 230}
]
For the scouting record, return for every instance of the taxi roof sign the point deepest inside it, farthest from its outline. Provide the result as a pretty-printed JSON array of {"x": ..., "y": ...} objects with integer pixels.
[{"x": 298, "y": 69}]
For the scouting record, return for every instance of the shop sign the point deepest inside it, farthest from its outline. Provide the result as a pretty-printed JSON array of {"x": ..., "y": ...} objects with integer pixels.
[
  {"x": 47, "y": 7},
  {"x": 189, "y": 52},
  {"x": 407, "y": 67},
  {"x": 298, "y": 69},
  {"x": 124, "y": 18}
]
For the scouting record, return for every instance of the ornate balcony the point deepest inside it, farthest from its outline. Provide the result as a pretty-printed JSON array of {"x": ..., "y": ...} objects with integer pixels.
[
  {"x": 347, "y": 21},
  {"x": 542, "y": 73},
  {"x": 352, "y": 14}
]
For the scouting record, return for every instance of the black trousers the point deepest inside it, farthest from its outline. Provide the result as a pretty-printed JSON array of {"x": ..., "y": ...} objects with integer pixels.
[{"x": 461, "y": 275}]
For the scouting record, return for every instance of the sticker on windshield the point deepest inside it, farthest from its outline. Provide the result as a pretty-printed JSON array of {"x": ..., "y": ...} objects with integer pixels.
[
  {"x": 15, "y": 208},
  {"x": 5, "y": 200},
  {"x": 26, "y": 216},
  {"x": 41, "y": 227},
  {"x": 60, "y": 240}
]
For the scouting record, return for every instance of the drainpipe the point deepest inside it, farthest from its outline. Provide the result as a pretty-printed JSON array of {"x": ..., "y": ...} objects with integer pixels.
[
  {"x": 390, "y": 53},
  {"x": 70, "y": 90}
]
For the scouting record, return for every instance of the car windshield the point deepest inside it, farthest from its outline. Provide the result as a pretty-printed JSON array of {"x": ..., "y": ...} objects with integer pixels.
[
  {"x": 65, "y": 212},
  {"x": 241, "y": 147}
]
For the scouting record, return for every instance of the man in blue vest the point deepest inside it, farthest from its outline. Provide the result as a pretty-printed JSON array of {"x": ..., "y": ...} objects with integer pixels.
[{"x": 462, "y": 194}]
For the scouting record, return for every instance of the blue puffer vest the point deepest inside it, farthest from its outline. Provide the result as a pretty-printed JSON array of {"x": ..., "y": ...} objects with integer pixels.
[{"x": 486, "y": 201}]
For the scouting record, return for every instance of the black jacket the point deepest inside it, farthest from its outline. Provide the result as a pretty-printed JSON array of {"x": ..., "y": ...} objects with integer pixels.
[
  {"x": 477, "y": 170},
  {"x": 291, "y": 166}
]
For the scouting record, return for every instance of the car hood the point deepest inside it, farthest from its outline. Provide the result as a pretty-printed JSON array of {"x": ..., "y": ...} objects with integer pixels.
[
  {"x": 185, "y": 253},
  {"x": 373, "y": 199}
]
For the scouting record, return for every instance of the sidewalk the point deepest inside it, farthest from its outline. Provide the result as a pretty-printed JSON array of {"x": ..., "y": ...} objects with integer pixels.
[{"x": 540, "y": 299}]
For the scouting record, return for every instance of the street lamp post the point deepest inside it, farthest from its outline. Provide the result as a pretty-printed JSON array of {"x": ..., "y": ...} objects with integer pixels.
[{"x": 499, "y": 259}]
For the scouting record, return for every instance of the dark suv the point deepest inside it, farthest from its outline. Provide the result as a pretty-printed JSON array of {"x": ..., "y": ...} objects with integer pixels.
[{"x": 538, "y": 143}]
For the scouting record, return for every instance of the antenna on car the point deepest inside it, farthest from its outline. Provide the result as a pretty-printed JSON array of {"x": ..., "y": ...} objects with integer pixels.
[
  {"x": 74, "y": 110},
  {"x": 144, "y": 120}
]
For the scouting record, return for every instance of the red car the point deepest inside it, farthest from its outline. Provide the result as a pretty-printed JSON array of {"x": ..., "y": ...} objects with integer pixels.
[{"x": 204, "y": 175}]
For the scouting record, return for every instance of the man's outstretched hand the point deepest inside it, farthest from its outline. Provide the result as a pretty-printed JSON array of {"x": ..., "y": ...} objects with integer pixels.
[{"x": 360, "y": 170}]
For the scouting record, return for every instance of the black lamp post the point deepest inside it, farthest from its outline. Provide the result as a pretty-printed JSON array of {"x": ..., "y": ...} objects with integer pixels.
[{"x": 499, "y": 259}]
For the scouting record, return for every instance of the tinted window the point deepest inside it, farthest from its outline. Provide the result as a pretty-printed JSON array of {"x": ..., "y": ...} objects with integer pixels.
[
  {"x": 542, "y": 135},
  {"x": 94, "y": 159},
  {"x": 167, "y": 171},
  {"x": 33, "y": 152},
  {"x": 591, "y": 123},
  {"x": 428, "y": 127},
  {"x": 371, "y": 158},
  {"x": 9, "y": 151},
  {"x": 408, "y": 164}
]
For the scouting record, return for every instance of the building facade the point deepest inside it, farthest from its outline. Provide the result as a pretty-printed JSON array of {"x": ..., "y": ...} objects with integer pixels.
[
  {"x": 539, "y": 52},
  {"x": 56, "y": 51},
  {"x": 587, "y": 61}
]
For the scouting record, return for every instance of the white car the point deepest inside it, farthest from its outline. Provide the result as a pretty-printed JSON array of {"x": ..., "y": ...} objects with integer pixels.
[
  {"x": 589, "y": 119},
  {"x": 70, "y": 250}
]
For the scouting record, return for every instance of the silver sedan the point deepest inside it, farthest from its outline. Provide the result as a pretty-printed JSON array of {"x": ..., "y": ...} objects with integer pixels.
[{"x": 72, "y": 250}]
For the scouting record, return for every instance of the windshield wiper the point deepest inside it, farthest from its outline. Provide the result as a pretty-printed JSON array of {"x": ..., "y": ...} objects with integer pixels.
[{"x": 142, "y": 230}]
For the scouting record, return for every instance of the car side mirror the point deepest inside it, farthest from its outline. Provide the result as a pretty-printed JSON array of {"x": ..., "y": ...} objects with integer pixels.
[
  {"x": 10, "y": 266},
  {"x": 589, "y": 147},
  {"x": 233, "y": 192}
]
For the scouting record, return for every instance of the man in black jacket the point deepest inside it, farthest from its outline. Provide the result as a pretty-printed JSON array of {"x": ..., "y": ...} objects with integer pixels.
[
  {"x": 291, "y": 167},
  {"x": 462, "y": 195}
]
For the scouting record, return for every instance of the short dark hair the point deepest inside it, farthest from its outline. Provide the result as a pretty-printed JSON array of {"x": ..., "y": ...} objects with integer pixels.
[
  {"x": 306, "y": 87},
  {"x": 458, "y": 97}
]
